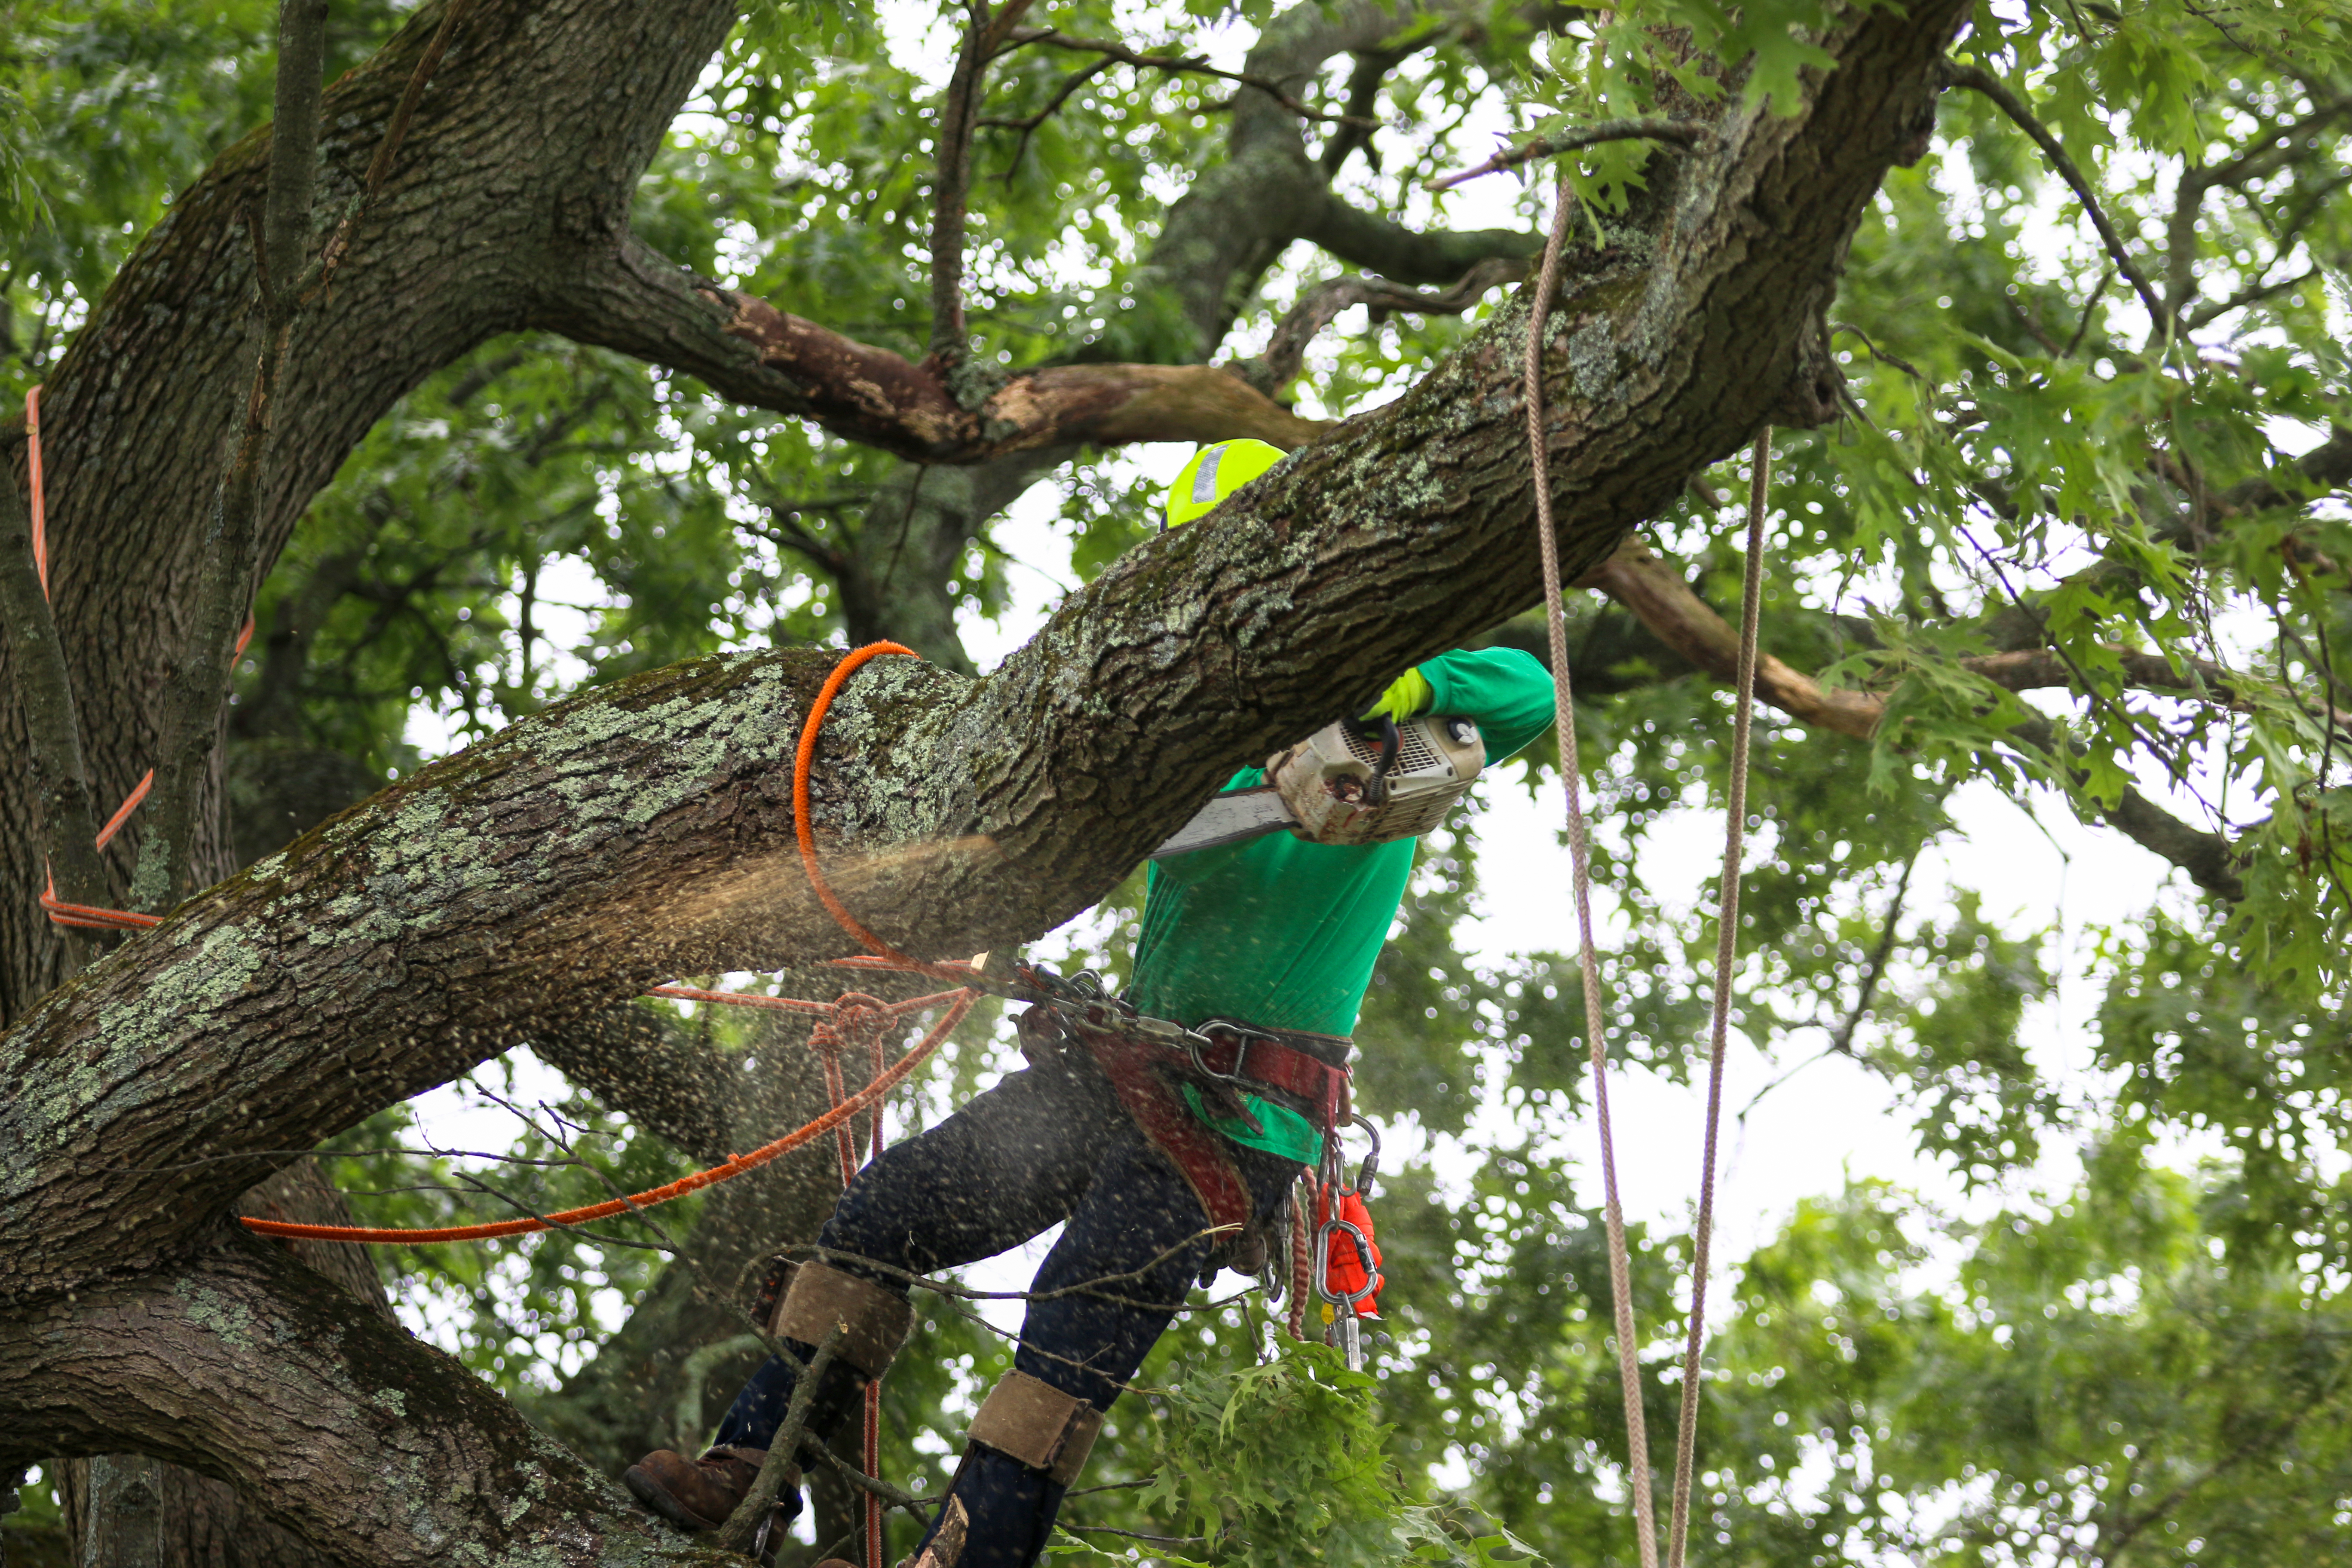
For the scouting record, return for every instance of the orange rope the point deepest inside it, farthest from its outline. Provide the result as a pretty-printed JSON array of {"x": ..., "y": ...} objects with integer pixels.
[
  {"x": 741, "y": 999},
  {"x": 40, "y": 517},
  {"x": 800, "y": 761},
  {"x": 735, "y": 1166}
]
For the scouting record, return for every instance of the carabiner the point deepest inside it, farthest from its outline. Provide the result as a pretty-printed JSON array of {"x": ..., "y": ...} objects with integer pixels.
[{"x": 1364, "y": 1172}]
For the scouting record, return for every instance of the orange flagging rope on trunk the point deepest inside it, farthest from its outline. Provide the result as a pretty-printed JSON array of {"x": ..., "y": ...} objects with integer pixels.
[
  {"x": 801, "y": 760},
  {"x": 959, "y": 1004},
  {"x": 87, "y": 917},
  {"x": 854, "y": 1015}
]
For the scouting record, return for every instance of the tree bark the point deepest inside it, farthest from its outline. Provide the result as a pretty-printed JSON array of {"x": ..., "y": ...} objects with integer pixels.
[
  {"x": 504, "y": 193},
  {"x": 646, "y": 829}
]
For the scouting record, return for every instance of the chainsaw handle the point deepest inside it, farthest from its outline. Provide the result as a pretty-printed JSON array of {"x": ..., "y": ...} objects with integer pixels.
[{"x": 1392, "y": 742}]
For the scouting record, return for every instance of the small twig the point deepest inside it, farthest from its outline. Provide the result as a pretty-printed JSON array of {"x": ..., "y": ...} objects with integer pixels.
[
  {"x": 2206, "y": 314},
  {"x": 863, "y": 1482},
  {"x": 339, "y": 244},
  {"x": 1881, "y": 355},
  {"x": 2090, "y": 312},
  {"x": 1681, "y": 132},
  {"x": 944, "y": 1288},
  {"x": 1977, "y": 80},
  {"x": 1373, "y": 66},
  {"x": 1188, "y": 65},
  {"x": 1136, "y": 1534},
  {"x": 1842, "y": 1040},
  {"x": 2098, "y": 699},
  {"x": 1320, "y": 305},
  {"x": 1027, "y": 125},
  {"x": 742, "y": 1527}
]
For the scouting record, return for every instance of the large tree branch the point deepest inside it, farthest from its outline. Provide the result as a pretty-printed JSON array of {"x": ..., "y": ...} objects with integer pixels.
[
  {"x": 245, "y": 1366},
  {"x": 751, "y": 351}
]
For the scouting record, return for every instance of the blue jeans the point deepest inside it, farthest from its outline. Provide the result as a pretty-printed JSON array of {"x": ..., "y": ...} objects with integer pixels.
[{"x": 1048, "y": 1145}]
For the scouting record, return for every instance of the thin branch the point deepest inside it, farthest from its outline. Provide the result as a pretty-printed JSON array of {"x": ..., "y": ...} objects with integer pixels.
[
  {"x": 742, "y": 1527},
  {"x": 856, "y": 1478},
  {"x": 2206, "y": 314},
  {"x": 45, "y": 692},
  {"x": 951, "y": 178},
  {"x": 1977, "y": 80},
  {"x": 2090, "y": 311},
  {"x": 1027, "y": 125},
  {"x": 1842, "y": 1038},
  {"x": 1135, "y": 1534},
  {"x": 1662, "y": 602},
  {"x": 2263, "y": 154},
  {"x": 380, "y": 167},
  {"x": 1320, "y": 305},
  {"x": 1187, "y": 65},
  {"x": 198, "y": 689},
  {"x": 293, "y": 151},
  {"x": 1371, "y": 68},
  {"x": 1680, "y": 132}
]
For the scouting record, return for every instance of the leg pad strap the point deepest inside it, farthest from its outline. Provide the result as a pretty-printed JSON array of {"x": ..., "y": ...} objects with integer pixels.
[
  {"x": 1032, "y": 1421},
  {"x": 821, "y": 1296}
]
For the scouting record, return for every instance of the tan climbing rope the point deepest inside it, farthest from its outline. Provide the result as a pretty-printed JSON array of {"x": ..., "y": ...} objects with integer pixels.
[
  {"x": 1727, "y": 952},
  {"x": 1587, "y": 962}
]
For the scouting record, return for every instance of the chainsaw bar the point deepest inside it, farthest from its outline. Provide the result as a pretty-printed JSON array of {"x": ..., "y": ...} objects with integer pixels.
[{"x": 1229, "y": 818}]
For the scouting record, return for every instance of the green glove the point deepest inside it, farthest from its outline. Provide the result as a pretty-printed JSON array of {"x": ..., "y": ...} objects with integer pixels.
[{"x": 1407, "y": 695}]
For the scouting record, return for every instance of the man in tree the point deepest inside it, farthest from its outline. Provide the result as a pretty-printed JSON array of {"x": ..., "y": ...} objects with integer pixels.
[{"x": 1268, "y": 945}]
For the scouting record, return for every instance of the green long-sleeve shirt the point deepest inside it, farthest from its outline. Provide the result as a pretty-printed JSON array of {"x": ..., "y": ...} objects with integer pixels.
[{"x": 1284, "y": 932}]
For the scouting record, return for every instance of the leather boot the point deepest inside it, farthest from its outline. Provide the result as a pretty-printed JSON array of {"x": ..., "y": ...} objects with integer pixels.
[{"x": 699, "y": 1493}]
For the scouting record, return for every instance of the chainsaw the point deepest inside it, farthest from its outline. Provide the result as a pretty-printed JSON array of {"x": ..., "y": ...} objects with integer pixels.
[{"x": 1348, "y": 783}]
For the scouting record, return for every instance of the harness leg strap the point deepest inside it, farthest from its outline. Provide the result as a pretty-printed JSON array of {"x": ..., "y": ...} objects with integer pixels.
[
  {"x": 1030, "y": 1421},
  {"x": 821, "y": 1296}
]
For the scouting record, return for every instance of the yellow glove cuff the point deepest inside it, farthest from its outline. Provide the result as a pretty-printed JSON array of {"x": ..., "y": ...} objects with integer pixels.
[{"x": 1407, "y": 695}]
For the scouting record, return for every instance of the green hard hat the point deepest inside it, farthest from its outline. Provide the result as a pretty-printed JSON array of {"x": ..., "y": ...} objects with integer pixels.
[{"x": 1215, "y": 472}]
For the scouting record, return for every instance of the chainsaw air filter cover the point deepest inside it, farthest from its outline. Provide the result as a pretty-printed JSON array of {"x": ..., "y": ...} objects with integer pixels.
[{"x": 1326, "y": 780}]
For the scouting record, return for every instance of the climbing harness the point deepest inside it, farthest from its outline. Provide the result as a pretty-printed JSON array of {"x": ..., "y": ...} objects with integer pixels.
[
  {"x": 1587, "y": 963},
  {"x": 86, "y": 917},
  {"x": 1146, "y": 1059}
]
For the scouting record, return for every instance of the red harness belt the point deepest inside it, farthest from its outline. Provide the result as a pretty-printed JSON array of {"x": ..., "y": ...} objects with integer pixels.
[{"x": 1147, "y": 1060}]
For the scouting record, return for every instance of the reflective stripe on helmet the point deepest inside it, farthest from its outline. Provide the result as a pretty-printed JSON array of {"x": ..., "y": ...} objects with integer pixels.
[{"x": 1205, "y": 477}]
